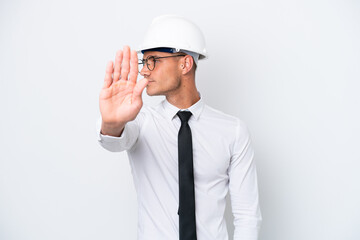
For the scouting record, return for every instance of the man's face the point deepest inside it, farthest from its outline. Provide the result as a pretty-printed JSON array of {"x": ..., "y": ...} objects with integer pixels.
[{"x": 165, "y": 79}]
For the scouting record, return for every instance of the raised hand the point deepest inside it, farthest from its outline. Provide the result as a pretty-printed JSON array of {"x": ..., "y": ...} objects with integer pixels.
[{"x": 120, "y": 98}]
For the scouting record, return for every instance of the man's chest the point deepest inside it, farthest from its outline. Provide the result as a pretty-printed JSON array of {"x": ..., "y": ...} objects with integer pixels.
[{"x": 158, "y": 145}]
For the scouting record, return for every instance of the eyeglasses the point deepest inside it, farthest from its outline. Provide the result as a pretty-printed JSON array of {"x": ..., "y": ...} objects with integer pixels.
[{"x": 151, "y": 60}]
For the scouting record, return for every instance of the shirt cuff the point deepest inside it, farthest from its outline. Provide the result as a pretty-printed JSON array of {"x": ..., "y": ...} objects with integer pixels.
[{"x": 109, "y": 139}]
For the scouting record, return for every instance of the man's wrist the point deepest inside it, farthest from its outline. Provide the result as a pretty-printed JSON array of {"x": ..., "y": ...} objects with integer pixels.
[{"x": 114, "y": 130}]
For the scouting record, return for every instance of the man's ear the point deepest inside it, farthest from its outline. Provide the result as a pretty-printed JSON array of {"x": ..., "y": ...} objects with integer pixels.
[{"x": 186, "y": 64}]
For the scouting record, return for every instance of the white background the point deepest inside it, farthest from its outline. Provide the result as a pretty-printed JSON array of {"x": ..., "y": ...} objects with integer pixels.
[{"x": 289, "y": 68}]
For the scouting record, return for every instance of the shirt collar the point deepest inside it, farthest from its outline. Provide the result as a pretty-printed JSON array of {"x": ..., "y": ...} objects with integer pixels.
[{"x": 170, "y": 110}]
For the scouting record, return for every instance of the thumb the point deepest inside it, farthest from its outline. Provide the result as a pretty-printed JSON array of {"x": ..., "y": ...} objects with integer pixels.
[{"x": 139, "y": 88}]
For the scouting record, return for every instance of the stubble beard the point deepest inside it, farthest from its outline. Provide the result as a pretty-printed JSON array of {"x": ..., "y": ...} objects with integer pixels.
[{"x": 165, "y": 92}]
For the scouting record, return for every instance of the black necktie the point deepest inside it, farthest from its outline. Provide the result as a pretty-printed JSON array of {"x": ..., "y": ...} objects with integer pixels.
[{"x": 187, "y": 222}]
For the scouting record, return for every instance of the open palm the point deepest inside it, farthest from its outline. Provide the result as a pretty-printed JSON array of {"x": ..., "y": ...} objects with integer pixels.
[{"x": 120, "y": 98}]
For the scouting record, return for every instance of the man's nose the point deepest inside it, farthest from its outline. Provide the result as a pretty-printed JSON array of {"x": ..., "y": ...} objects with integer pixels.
[{"x": 144, "y": 71}]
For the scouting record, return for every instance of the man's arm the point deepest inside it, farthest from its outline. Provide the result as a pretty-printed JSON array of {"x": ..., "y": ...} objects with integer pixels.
[
  {"x": 125, "y": 141},
  {"x": 243, "y": 187},
  {"x": 120, "y": 102}
]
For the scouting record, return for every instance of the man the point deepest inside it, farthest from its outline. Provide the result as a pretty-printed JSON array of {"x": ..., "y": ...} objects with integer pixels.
[{"x": 185, "y": 156}]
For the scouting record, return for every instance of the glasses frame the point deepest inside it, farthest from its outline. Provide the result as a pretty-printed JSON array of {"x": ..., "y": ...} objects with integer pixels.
[{"x": 145, "y": 61}]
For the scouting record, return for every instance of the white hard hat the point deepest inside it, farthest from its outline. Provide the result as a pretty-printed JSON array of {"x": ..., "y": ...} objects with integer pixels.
[{"x": 170, "y": 31}]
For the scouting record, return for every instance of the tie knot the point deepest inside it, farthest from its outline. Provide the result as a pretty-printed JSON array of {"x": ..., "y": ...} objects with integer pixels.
[{"x": 184, "y": 116}]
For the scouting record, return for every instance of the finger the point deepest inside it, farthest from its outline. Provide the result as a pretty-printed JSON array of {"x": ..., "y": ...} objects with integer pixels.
[
  {"x": 125, "y": 67},
  {"x": 139, "y": 88},
  {"x": 108, "y": 75},
  {"x": 134, "y": 70},
  {"x": 117, "y": 68}
]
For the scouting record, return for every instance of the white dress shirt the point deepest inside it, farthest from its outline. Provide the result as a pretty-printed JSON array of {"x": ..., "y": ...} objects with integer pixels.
[{"x": 223, "y": 161}]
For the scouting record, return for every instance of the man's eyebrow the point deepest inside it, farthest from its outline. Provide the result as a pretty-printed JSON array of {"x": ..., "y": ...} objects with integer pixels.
[{"x": 151, "y": 56}]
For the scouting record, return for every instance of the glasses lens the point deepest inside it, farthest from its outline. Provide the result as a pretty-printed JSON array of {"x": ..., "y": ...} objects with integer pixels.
[{"x": 150, "y": 61}]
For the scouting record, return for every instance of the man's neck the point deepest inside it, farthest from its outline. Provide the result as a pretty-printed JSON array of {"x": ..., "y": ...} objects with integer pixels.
[{"x": 184, "y": 100}]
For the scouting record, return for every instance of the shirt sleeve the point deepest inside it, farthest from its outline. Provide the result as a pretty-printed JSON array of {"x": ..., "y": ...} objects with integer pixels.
[
  {"x": 117, "y": 144},
  {"x": 243, "y": 187}
]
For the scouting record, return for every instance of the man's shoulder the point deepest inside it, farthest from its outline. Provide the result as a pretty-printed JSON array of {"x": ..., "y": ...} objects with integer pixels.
[
  {"x": 150, "y": 111},
  {"x": 216, "y": 114},
  {"x": 221, "y": 118},
  {"x": 151, "y": 108}
]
